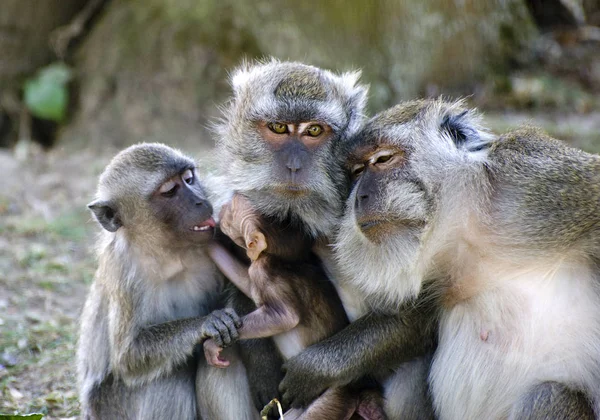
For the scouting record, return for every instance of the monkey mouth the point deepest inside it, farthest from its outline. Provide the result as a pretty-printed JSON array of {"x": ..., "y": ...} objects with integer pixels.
[
  {"x": 376, "y": 228},
  {"x": 206, "y": 226},
  {"x": 292, "y": 189},
  {"x": 367, "y": 224}
]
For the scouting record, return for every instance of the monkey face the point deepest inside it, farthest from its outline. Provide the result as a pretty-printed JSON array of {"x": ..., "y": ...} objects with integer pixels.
[
  {"x": 152, "y": 191},
  {"x": 293, "y": 147},
  {"x": 281, "y": 136},
  {"x": 179, "y": 204},
  {"x": 404, "y": 164},
  {"x": 386, "y": 215}
]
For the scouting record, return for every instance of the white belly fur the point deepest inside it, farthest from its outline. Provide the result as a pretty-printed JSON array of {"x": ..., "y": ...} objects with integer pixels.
[
  {"x": 289, "y": 343},
  {"x": 535, "y": 326}
]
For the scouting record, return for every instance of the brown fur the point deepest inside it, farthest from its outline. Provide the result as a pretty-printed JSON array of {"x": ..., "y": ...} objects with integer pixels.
[{"x": 292, "y": 293}]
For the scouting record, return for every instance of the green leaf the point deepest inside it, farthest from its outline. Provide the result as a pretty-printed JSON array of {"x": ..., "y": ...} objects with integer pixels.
[
  {"x": 24, "y": 416},
  {"x": 46, "y": 95}
]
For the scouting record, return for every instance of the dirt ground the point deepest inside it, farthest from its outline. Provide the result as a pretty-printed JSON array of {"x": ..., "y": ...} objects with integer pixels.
[{"x": 47, "y": 262}]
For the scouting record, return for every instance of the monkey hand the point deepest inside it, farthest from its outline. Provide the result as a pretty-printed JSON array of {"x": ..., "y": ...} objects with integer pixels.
[
  {"x": 222, "y": 326},
  {"x": 305, "y": 379},
  {"x": 212, "y": 353}
]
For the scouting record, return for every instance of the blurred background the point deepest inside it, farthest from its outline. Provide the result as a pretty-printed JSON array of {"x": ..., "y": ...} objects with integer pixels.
[{"x": 81, "y": 79}]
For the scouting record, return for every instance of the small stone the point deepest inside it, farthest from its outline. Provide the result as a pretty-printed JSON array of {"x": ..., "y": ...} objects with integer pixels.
[
  {"x": 22, "y": 343},
  {"x": 10, "y": 359},
  {"x": 15, "y": 393}
]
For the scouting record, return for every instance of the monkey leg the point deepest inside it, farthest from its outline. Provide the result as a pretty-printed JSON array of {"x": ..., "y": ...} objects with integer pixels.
[
  {"x": 406, "y": 391},
  {"x": 224, "y": 394},
  {"x": 370, "y": 405},
  {"x": 550, "y": 401},
  {"x": 335, "y": 403},
  {"x": 260, "y": 357},
  {"x": 170, "y": 396}
]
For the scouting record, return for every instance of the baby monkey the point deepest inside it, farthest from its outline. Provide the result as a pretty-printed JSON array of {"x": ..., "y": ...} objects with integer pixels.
[{"x": 296, "y": 303}]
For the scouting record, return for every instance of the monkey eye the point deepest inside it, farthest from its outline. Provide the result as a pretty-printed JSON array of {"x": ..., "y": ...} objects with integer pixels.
[
  {"x": 278, "y": 128},
  {"x": 314, "y": 130},
  {"x": 168, "y": 189},
  {"x": 383, "y": 159},
  {"x": 188, "y": 177},
  {"x": 382, "y": 156},
  {"x": 358, "y": 169}
]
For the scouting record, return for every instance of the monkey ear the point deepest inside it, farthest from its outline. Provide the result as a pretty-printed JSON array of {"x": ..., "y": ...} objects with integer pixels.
[
  {"x": 357, "y": 99},
  {"x": 464, "y": 131},
  {"x": 106, "y": 214},
  {"x": 256, "y": 243}
]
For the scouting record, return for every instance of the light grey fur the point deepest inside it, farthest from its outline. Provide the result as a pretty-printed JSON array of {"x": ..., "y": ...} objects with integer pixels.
[
  {"x": 337, "y": 100},
  {"x": 510, "y": 246},
  {"x": 146, "y": 281}
]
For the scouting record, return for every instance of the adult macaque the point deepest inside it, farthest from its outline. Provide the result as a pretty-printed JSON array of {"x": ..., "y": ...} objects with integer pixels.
[
  {"x": 504, "y": 235},
  {"x": 281, "y": 143}
]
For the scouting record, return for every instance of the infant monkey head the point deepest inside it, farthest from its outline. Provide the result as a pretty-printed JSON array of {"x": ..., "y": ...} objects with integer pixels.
[
  {"x": 261, "y": 236},
  {"x": 150, "y": 193}
]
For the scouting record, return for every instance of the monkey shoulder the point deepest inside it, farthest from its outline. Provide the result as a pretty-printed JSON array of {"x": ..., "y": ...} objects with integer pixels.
[
  {"x": 532, "y": 144},
  {"x": 544, "y": 191}
]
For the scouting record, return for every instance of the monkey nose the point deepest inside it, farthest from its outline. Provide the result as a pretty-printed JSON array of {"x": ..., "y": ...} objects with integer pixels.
[
  {"x": 293, "y": 164},
  {"x": 361, "y": 201}
]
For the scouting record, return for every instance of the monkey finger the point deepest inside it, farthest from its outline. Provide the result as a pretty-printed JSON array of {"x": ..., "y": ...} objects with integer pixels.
[
  {"x": 230, "y": 320},
  {"x": 229, "y": 332},
  {"x": 224, "y": 333},
  {"x": 212, "y": 353},
  {"x": 211, "y": 331},
  {"x": 237, "y": 320}
]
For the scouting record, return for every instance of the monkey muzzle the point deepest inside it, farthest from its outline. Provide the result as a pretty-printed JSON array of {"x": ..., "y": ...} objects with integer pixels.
[{"x": 206, "y": 226}]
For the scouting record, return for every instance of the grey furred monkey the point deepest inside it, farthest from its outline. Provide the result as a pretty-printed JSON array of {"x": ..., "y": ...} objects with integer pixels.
[
  {"x": 503, "y": 234},
  {"x": 146, "y": 312},
  {"x": 281, "y": 141}
]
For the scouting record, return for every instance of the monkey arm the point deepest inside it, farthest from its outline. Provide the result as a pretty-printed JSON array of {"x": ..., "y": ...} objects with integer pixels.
[
  {"x": 260, "y": 357},
  {"x": 268, "y": 321},
  {"x": 157, "y": 349},
  {"x": 231, "y": 267},
  {"x": 368, "y": 345}
]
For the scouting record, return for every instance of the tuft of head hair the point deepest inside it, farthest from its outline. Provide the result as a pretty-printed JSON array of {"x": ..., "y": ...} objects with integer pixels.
[{"x": 335, "y": 98}]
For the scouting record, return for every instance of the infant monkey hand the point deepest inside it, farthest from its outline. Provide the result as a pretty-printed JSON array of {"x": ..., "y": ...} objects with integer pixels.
[
  {"x": 220, "y": 328},
  {"x": 212, "y": 353},
  {"x": 241, "y": 223}
]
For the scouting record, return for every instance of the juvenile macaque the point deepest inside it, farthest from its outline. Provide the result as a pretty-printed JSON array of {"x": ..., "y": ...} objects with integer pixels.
[
  {"x": 147, "y": 310},
  {"x": 296, "y": 303}
]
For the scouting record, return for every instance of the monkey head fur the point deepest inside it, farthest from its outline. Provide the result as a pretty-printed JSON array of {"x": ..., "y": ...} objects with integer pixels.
[
  {"x": 400, "y": 162},
  {"x": 180, "y": 214},
  {"x": 300, "y": 179}
]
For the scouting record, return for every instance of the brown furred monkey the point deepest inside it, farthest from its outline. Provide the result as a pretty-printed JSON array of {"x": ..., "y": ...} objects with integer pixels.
[
  {"x": 504, "y": 233},
  {"x": 296, "y": 303},
  {"x": 147, "y": 309}
]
